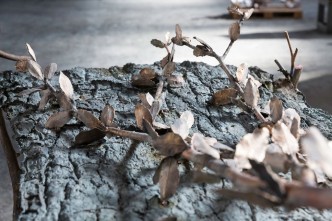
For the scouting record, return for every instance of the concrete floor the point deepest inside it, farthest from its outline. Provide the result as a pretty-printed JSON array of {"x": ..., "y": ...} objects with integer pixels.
[{"x": 103, "y": 33}]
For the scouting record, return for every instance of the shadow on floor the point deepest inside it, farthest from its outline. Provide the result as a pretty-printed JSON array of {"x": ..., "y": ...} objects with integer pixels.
[
  {"x": 222, "y": 16},
  {"x": 318, "y": 92}
]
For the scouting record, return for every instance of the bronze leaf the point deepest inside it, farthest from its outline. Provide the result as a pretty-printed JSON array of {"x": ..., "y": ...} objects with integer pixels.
[
  {"x": 157, "y": 43},
  {"x": 87, "y": 137},
  {"x": 234, "y": 31},
  {"x": 169, "y": 178},
  {"x": 89, "y": 120},
  {"x": 31, "y": 52},
  {"x": 147, "y": 73},
  {"x": 66, "y": 86},
  {"x": 58, "y": 119},
  {"x": 50, "y": 70},
  {"x": 170, "y": 144},
  {"x": 141, "y": 112},
  {"x": 107, "y": 115},
  {"x": 35, "y": 69},
  {"x": 29, "y": 91},
  {"x": 224, "y": 96}
]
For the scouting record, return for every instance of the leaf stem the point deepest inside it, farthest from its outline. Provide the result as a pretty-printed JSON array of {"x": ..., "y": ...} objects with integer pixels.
[
  {"x": 159, "y": 88},
  {"x": 13, "y": 57},
  {"x": 213, "y": 54},
  {"x": 129, "y": 134},
  {"x": 50, "y": 86},
  {"x": 227, "y": 50},
  {"x": 225, "y": 171},
  {"x": 259, "y": 115},
  {"x": 231, "y": 78},
  {"x": 282, "y": 69}
]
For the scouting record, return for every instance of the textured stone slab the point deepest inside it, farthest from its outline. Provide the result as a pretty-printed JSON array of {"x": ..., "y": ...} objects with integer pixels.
[{"x": 112, "y": 180}]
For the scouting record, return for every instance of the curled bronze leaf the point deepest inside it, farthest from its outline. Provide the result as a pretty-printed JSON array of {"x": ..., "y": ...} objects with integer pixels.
[
  {"x": 35, "y": 69},
  {"x": 200, "y": 51},
  {"x": 89, "y": 120},
  {"x": 157, "y": 43},
  {"x": 58, "y": 120},
  {"x": 169, "y": 68},
  {"x": 168, "y": 177},
  {"x": 224, "y": 97},
  {"x": 234, "y": 31},
  {"x": 144, "y": 78},
  {"x": 87, "y": 137},
  {"x": 170, "y": 144},
  {"x": 141, "y": 112},
  {"x": 107, "y": 115},
  {"x": 142, "y": 82},
  {"x": 178, "y": 31},
  {"x": 64, "y": 102},
  {"x": 178, "y": 35},
  {"x": 147, "y": 73}
]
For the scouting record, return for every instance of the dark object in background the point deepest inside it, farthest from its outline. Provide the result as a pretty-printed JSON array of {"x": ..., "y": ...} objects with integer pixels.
[{"x": 324, "y": 22}]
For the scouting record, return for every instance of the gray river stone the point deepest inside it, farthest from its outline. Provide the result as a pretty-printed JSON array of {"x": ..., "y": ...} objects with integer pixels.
[{"x": 112, "y": 180}]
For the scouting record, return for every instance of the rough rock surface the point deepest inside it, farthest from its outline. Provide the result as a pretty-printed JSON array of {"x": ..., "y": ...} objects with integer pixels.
[{"x": 113, "y": 180}]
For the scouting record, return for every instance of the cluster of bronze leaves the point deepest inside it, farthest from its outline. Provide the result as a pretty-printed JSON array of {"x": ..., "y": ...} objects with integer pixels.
[{"x": 277, "y": 145}]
